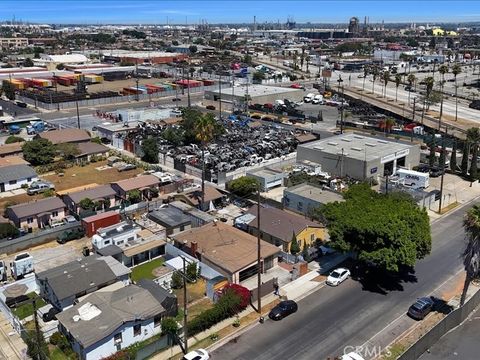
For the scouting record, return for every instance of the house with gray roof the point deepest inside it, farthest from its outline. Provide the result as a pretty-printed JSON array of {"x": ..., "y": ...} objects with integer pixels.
[
  {"x": 108, "y": 321},
  {"x": 13, "y": 177},
  {"x": 173, "y": 220},
  {"x": 103, "y": 193},
  {"x": 37, "y": 214},
  {"x": 64, "y": 284}
]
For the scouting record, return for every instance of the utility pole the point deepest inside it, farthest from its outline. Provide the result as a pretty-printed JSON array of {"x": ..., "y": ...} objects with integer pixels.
[
  {"x": 188, "y": 88},
  {"x": 185, "y": 311},
  {"x": 387, "y": 174},
  {"x": 38, "y": 334},
  {"x": 413, "y": 114},
  {"x": 259, "y": 267},
  {"x": 137, "y": 80},
  {"x": 220, "y": 97},
  {"x": 78, "y": 113}
]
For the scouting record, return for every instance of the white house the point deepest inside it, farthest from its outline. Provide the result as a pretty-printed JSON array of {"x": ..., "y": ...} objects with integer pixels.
[
  {"x": 14, "y": 176},
  {"x": 108, "y": 321}
]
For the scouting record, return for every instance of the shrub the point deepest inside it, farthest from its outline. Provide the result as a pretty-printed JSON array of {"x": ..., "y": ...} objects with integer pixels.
[
  {"x": 241, "y": 291},
  {"x": 192, "y": 272},
  {"x": 13, "y": 139},
  {"x": 177, "y": 281},
  {"x": 8, "y": 230}
]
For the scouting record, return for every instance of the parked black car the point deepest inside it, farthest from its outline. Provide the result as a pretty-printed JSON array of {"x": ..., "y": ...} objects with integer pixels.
[
  {"x": 421, "y": 308},
  {"x": 283, "y": 309},
  {"x": 70, "y": 234},
  {"x": 436, "y": 172}
]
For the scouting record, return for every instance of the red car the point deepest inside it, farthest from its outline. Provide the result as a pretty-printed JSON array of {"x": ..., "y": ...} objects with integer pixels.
[{"x": 297, "y": 86}]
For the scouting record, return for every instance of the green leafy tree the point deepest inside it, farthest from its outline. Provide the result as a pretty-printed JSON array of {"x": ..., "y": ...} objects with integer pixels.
[
  {"x": 243, "y": 186},
  {"x": 38, "y": 151},
  {"x": 177, "y": 280},
  {"x": 390, "y": 231},
  {"x": 464, "y": 164},
  {"x": 192, "y": 271},
  {"x": 258, "y": 76},
  {"x": 8, "y": 230},
  {"x": 68, "y": 151},
  {"x": 473, "y": 136},
  {"x": 471, "y": 255},
  {"x": 150, "y": 150},
  {"x": 14, "y": 139},
  {"x": 173, "y": 135},
  {"x": 37, "y": 347},
  {"x": 175, "y": 43},
  {"x": 134, "y": 196},
  {"x": 193, "y": 49},
  {"x": 453, "y": 157},
  {"x": 28, "y": 62},
  {"x": 170, "y": 328},
  {"x": 87, "y": 204},
  {"x": 294, "y": 245},
  {"x": 8, "y": 89},
  {"x": 305, "y": 254},
  {"x": 60, "y": 67}
]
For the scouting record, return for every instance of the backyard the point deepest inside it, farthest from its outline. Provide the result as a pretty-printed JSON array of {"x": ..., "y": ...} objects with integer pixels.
[
  {"x": 145, "y": 271},
  {"x": 26, "y": 310}
]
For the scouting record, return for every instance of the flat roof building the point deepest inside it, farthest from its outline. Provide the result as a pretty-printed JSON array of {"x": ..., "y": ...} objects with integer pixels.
[
  {"x": 305, "y": 198},
  {"x": 268, "y": 178},
  {"x": 360, "y": 157}
]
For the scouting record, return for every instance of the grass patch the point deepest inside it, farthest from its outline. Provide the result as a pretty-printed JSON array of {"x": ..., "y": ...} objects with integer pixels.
[
  {"x": 57, "y": 354},
  {"x": 395, "y": 351},
  {"x": 449, "y": 207},
  {"x": 195, "y": 291},
  {"x": 199, "y": 307},
  {"x": 26, "y": 310},
  {"x": 145, "y": 271}
]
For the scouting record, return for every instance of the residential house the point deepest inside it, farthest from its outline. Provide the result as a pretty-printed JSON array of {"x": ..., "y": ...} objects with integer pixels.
[
  {"x": 37, "y": 214},
  {"x": 305, "y": 198},
  {"x": 12, "y": 160},
  {"x": 13, "y": 177},
  {"x": 194, "y": 198},
  {"x": 173, "y": 220},
  {"x": 129, "y": 243},
  {"x": 89, "y": 149},
  {"x": 197, "y": 217},
  {"x": 63, "y": 285},
  {"x": 102, "y": 193},
  {"x": 230, "y": 251},
  {"x": 62, "y": 136},
  {"x": 106, "y": 322},
  {"x": 143, "y": 183},
  {"x": 278, "y": 227},
  {"x": 11, "y": 149}
]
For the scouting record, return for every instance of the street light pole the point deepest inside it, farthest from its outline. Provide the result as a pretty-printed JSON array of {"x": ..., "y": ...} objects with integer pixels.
[
  {"x": 259, "y": 268},
  {"x": 443, "y": 172}
]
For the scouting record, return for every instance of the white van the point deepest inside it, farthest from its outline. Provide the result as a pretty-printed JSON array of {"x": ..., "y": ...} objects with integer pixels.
[
  {"x": 318, "y": 99},
  {"x": 308, "y": 98},
  {"x": 414, "y": 179}
]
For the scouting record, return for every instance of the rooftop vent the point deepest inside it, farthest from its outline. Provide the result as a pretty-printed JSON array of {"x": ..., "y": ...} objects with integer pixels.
[
  {"x": 358, "y": 137},
  {"x": 382, "y": 141},
  {"x": 347, "y": 140},
  {"x": 332, "y": 143},
  {"x": 357, "y": 149},
  {"x": 370, "y": 144}
]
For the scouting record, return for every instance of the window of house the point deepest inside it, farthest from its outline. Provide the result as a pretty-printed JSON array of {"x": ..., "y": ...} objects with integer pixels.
[
  {"x": 130, "y": 238},
  {"x": 137, "y": 330},
  {"x": 29, "y": 220},
  {"x": 12, "y": 182},
  {"x": 107, "y": 242},
  {"x": 117, "y": 338},
  {"x": 157, "y": 320},
  {"x": 55, "y": 213},
  {"x": 29, "y": 179}
]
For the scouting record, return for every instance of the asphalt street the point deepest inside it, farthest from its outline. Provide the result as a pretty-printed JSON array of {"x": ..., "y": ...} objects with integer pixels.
[
  {"x": 331, "y": 319},
  {"x": 13, "y": 109}
]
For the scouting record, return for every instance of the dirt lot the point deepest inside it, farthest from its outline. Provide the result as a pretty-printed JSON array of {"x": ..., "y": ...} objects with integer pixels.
[{"x": 73, "y": 177}]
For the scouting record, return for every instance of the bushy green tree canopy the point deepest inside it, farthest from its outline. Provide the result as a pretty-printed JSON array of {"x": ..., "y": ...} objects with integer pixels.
[{"x": 388, "y": 230}]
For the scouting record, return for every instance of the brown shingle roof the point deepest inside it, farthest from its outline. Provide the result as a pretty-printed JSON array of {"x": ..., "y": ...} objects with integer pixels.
[
  {"x": 12, "y": 160},
  {"x": 8, "y": 149},
  {"x": 95, "y": 193},
  {"x": 195, "y": 197},
  {"x": 36, "y": 207},
  {"x": 65, "y": 136},
  {"x": 90, "y": 148},
  {"x": 279, "y": 223},
  {"x": 227, "y": 247},
  {"x": 138, "y": 182}
]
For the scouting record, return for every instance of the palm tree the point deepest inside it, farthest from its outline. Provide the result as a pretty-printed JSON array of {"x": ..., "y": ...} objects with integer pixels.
[
  {"x": 471, "y": 255},
  {"x": 443, "y": 69},
  {"x": 375, "y": 73},
  {"x": 386, "y": 79},
  {"x": 204, "y": 132},
  {"x": 429, "y": 82},
  {"x": 366, "y": 70},
  {"x": 411, "y": 80},
  {"x": 456, "y": 70},
  {"x": 398, "y": 80}
]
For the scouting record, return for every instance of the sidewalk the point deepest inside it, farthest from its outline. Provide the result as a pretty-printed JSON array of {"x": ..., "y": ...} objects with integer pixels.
[
  {"x": 295, "y": 290},
  {"x": 12, "y": 346}
]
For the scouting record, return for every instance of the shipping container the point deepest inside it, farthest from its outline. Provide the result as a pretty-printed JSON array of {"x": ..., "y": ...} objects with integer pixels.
[{"x": 92, "y": 223}]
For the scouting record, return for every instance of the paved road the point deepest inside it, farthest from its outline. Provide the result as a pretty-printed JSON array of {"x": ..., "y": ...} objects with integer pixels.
[
  {"x": 332, "y": 318},
  {"x": 15, "y": 110}
]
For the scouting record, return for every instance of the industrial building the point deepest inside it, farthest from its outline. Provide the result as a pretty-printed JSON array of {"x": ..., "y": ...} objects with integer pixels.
[
  {"x": 13, "y": 42},
  {"x": 360, "y": 157},
  {"x": 267, "y": 178},
  {"x": 142, "y": 57},
  {"x": 257, "y": 94}
]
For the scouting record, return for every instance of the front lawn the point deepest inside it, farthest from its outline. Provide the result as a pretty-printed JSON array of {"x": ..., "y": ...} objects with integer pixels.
[
  {"x": 57, "y": 354},
  {"x": 145, "y": 271},
  {"x": 26, "y": 310}
]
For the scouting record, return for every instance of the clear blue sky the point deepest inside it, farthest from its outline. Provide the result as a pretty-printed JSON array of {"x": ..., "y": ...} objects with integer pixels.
[{"x": 150, "y": 11}]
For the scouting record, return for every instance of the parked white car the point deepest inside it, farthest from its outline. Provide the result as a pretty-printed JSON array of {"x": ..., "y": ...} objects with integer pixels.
[
  {"x": 338, "y": 276},
  {"x": 199, "y": 354}
]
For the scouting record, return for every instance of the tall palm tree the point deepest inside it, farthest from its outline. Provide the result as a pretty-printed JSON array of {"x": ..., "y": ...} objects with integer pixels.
[
  {"x": 429, "y": 82},
  {"x": 204, "y": 132},
  {"x": 398, "y": 80},
  {"x": 456, "y": 70},
  {"x": 471, "y": 255},
  {"x": 386, "y": 79},
  {"x": 375, "y": 73},
  {"x": 473, "y": 136},
  {"x": 411, "y": 80},
  {"x": 443, "y": 69},
  {"x": 366, "y": 70}
]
